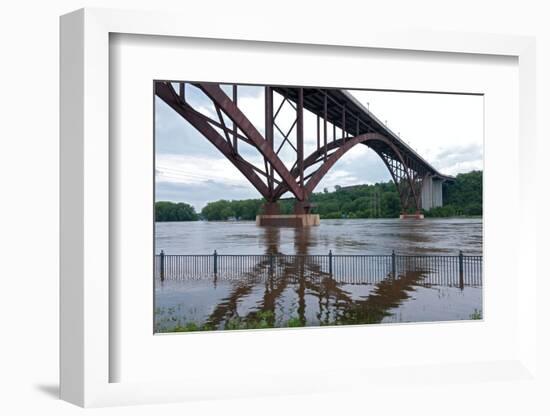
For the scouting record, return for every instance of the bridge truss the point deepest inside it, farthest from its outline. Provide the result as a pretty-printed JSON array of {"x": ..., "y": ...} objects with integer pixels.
[{"x": 341, "y": 123}]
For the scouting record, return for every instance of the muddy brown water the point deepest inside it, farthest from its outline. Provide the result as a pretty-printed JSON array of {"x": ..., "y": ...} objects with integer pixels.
[{"x": 302, "y": 296}]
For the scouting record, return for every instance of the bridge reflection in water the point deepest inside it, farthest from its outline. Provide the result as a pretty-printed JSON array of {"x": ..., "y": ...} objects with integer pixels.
[{"x": 219, "y": 291}]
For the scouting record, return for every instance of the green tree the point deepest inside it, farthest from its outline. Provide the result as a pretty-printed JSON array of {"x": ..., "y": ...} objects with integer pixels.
[
  {"x": 172, "y": 211},
  {"x": 390, "y": 206},
  {"x": 218, "y": 211},
  {"x": 462, "y": 197}
]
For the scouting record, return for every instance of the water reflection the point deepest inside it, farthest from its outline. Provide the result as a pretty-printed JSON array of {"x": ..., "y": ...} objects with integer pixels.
[{"x": 281, "y": 290}]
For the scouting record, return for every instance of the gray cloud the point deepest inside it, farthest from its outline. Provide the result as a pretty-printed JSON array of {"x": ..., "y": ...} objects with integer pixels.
[
  {"x": 460, "y": 153},
  {"x": 459, "y": 158}
]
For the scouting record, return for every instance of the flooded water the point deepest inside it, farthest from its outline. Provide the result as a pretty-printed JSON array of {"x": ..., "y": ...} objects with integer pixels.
[
  {"x": 361, "y": 236},
  {"x": 288, "y": 281}
]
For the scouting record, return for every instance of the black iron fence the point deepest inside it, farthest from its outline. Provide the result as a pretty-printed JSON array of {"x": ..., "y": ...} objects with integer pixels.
[{"x": 459, "y": 270}]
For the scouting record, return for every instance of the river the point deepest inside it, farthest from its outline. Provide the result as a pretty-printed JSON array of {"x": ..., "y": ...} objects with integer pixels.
[
  {"x": 358, "y": 236},
  {"x": 306, "y": 296}
]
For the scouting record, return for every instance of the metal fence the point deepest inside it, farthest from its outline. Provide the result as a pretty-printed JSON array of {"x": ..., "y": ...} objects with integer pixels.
[{"x": 459, "y": 270}]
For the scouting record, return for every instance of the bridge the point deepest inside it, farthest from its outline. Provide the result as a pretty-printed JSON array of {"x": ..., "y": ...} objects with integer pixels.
[{"x": 342, "y": 123}]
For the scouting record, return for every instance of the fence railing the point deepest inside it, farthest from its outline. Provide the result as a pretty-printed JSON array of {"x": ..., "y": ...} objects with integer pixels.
[{"x": 458, "y": 270}]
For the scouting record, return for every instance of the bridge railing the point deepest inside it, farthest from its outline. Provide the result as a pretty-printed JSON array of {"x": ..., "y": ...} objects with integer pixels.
[{"x": 458, "y": 270}]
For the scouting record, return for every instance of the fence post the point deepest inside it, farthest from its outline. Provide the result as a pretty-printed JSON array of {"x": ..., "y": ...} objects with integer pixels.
[
  {"x": 393, "y": 263},
  {"x": 215, "y": 262},
  {"x": 330, "y": 262},
  {"x": 461, "y": 269},
  {"x": 161, "y": 258}
]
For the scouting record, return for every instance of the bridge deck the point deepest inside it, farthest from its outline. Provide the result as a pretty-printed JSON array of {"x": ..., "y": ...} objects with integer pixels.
[{"x": 343, "y": 109}]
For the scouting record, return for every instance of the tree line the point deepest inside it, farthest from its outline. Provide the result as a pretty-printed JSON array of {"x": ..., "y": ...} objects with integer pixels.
[
  {"x": 463, "y": 197},
  {"x": 174, "y": 211}
]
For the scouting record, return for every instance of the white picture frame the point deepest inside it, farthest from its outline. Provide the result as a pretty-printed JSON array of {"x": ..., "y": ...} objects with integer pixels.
[{"x": 85, "y": 346}]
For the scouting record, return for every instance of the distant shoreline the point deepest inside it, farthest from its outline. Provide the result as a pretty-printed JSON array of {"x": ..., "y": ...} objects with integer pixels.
[
  {"x": 461, "y": 198},
  {"x": 458, "y": 217}
]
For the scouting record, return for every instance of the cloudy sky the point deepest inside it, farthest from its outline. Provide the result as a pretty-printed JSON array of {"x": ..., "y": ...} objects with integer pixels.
[{"x": 447, "y": 130}]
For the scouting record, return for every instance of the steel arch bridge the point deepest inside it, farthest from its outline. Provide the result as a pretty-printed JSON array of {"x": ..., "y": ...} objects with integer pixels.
[{"x": 342, "y": 123}]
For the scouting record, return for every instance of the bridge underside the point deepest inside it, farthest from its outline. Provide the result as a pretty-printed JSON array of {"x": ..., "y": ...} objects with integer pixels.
[{"x": 341, "y": 123}]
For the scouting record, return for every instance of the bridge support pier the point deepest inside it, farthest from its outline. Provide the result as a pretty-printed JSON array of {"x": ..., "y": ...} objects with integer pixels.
[
  {"x": 291, "y": 220},
  {"x": 432, "y": 192},
  {"x": 271, "y": 208},
  {"x": 415, "y": 216},
  {"x": 302, "y": 207},
  {"x": 272, "y": 217}
]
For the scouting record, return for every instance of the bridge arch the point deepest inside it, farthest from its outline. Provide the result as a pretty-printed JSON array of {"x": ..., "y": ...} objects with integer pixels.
[{"x": 339, "y": 148}]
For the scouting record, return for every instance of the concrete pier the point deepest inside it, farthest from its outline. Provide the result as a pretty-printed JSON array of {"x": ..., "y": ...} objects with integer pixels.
[
  {"x": 415, "y": 216},
  {"x": 292, "y": 220},
  {"x": 272, "y": 217},
  {"x": 432, "y": 192}
]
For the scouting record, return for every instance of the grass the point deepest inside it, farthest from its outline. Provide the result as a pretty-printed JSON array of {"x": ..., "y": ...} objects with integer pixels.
[
  {"x": 294, "y": 323},
  {"x": 259, "y": 320},
  {"x": 476, "y": 314}
]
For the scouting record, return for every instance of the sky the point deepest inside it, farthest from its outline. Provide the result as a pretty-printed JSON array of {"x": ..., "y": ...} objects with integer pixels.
[{"x": 445, "y": 129}]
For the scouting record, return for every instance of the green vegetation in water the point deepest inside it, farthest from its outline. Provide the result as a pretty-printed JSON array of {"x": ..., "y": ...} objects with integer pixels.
[
  {"x": 259, "y": 320},
  {"x": 256, "y": 320},
  {"x": 463, "y": 197},
  {"x": 294, "y": 323},
  {"x": 476, "y": 314}
]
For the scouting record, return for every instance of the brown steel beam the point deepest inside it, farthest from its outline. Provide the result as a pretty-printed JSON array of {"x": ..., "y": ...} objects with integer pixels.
[
  {"x": 325, "y": 167},
  {"x": 279, "y": 108},
  {"x": 404, "y": 179},
  {"x": 240, "y": 159},
  {"x": 216, "y": 94},
  {"x": 218, "y": 124},
  {"x": 325, "y": 121},
  {"x": 396, "y": 179},
  {"x": 342, "y": 147},
  {"x": 315, "y": 157},
  {"x": 222, "y": 122},
  {"x": 166, "y": 93},
  {"x": 344, "y": 122},
  {"x": 285, "y": 140},
  {"x": 235, "y": 136},
  {"x": 289, "y": 130},
  {"x": 300, "y": 135},
  {"x": 318, "y": 131},
  {"x": 222, "y": 127},
  {"x": 182, "y": 91},
  {"x": 269, "y": 132}
]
